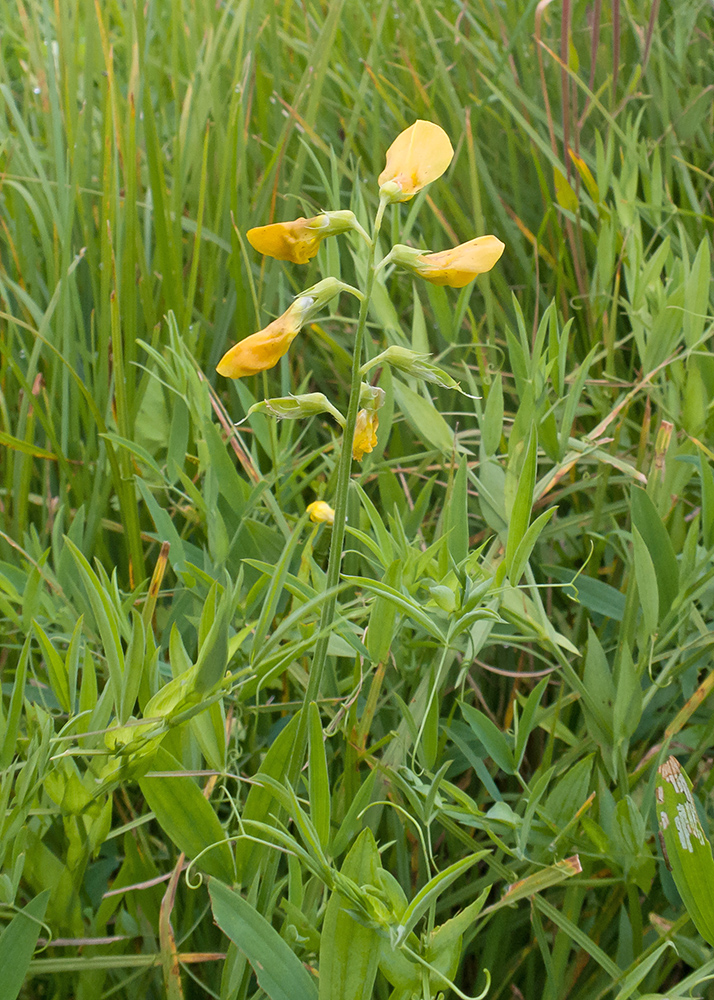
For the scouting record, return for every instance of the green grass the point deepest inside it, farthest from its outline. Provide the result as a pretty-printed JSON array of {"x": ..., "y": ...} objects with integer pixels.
[{"x": 513, "y": 701}]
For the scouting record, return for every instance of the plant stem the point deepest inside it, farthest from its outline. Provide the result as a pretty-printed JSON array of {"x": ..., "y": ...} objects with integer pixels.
[{"x": 343, "y": 481}]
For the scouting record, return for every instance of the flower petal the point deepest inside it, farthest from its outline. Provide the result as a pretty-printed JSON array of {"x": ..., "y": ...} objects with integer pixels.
[
  {"x": 417, "y": 157},
  {"x": 296, "y": 241},
  {"x": 365, "y": 438},
  {"x": 261, "y": 350}
]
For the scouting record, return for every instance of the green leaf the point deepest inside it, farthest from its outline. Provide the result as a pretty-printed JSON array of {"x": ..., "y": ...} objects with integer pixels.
[
  {"x": 349, "y": 951},
  {"x": 688, "y": 850},
  {"x": 599, "y": 693},
  {"x": 564, "y": 193},
  {"x": 457, "y": 525},
  {"x": 628, "y": 701},
  {"x": 186, "y": 817},
  {"x": 56, "y": 666},
  {"x": 106, "y": 619},
  {"x": 402, "y": 602},
  {"x": 646, "y": 584},
  {"x": 632, "y": 980},
  {"x": 523, "y": 552},
  {"x": 593, "y": 594},
  {"x": 17, "y": 944},
  {"x": 492, "y": 424},
  {"x": 707, "y": 479},
  {"x": 383, "y": 616},
  {"x": 522, "y": 504},
  {"x": 318, "y": 776},
  {"x": 493, "y": 740},
  {"x": 696, "y": 295},
  {"x": 9, "y": 731},
  {"x": 526, "y": 722},
  {"x": 569, "y": 793},
  {"x": 656, "y": 537},
  {"x": 279, "y": 971},
  {"x": 428, "y": 895},
  {"x": 424, "y": 419},
  {"x": 353, "y": 820}
]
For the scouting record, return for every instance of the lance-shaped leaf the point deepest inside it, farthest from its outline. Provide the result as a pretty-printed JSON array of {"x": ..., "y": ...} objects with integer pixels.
[
  {"x": 349, "y": 951},
  {"x": 688, "y": 850},
  {"x": 430, "y": 893},
  {"x": 279, "y": 971}
]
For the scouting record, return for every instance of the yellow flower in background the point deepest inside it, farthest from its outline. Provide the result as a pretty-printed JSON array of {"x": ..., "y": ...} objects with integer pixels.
[
  {"x": 455, "y": 267},
  {"x": 417, "y": 157},
  {"x": 365, "y": 438},
  {"x": 298, "y": 241},
  {"x": 321, "y": 512}
]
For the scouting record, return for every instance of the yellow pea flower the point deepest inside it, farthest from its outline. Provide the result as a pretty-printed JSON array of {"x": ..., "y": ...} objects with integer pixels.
[
  {"x": 298, "y": 241},
  {"x": 454, "y": 267},
  {"x": 365, "y": 437},
  {"x": 321, "y": 512},
  {"x": 417, "y": 157},
  {"x": 264, "y": 349}
]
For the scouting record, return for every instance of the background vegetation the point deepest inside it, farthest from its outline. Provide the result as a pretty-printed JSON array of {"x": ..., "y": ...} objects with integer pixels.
[{"x": 516, "y": 704}]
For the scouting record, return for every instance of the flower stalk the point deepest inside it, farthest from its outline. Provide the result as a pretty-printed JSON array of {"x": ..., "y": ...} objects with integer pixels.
[{"x": 343, "y": 480}]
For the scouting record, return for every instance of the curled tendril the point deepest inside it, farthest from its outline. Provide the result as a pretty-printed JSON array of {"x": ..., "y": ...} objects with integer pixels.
[
  {"x": 384, "y": 802},
  {"x": 46, "y": 927},
  {"x": 189, "y": 866},
  {"x": 445, "y": 979}
]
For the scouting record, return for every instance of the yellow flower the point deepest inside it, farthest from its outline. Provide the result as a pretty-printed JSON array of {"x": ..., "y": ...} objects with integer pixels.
[
  {"x": 458, "y": 266},
  {"x": 299, "y": 240},
  {"x": 321, "y": 512},
  {"x": 365, "y": 437},
  {"x": 455, "y": 267},
  {"x": 417, "y": 157},
  {"x": 264, "y": 349}
]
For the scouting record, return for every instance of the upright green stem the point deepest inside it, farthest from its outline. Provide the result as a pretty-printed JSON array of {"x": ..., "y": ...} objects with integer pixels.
[{"x": 343, "y": 481}]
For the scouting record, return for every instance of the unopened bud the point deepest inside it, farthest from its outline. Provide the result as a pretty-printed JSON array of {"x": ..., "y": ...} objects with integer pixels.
[
  {"x": 371, "y": 397},
  {"x": 294, "y": 407},
  {"x": 414, "y": 364}
]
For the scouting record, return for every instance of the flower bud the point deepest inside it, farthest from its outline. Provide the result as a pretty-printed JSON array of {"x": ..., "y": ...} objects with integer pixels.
[
  {"x": 321, "y": 512},
  {"x": 293, "y": 407},
  {"x": 371, "y": 397},
  {"x": 414, "y": 364}
]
